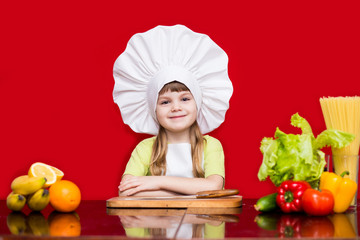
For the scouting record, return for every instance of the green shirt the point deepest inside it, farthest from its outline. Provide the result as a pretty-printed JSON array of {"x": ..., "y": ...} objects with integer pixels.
[{"x": 139, "y": 163}]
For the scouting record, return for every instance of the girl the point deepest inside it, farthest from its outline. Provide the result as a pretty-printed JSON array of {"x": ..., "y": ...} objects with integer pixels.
[
  {"x": 176, "y": 113},
  {"x": 178, "y": 106}
]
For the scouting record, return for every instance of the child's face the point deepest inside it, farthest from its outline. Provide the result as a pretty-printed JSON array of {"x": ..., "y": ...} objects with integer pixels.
[{"x": 176, "y": 111}]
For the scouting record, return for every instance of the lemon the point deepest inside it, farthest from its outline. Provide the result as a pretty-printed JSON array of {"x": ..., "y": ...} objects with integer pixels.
[
  {"x": 58, "y": 172},
  {"x": 39, "y": 169}
]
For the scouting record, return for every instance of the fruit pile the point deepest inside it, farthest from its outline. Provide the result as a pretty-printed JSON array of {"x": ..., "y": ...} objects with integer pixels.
[
  {"x": 35, "y": 224},
  {"x": 43, "y": 185}
]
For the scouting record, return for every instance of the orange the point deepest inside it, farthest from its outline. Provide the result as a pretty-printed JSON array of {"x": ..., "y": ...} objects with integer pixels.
[
  {"x": 65, "y": 196},
  {"x": 64, "y": 224}
]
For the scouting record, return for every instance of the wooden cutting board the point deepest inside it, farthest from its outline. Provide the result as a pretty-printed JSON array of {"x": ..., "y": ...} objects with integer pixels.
[
  {"x": 172, "y": 211},
  {"x": 140, "y": 202}
]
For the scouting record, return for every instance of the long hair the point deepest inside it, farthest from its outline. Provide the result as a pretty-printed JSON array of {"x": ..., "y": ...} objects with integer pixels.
[{"x": 159, "y": 150}]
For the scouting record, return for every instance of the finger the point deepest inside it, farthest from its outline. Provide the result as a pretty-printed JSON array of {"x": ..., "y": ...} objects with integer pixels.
[
  {"x": 130, "y": 192},
  {"x": 127, "y": 181},
  {"x": 134, "y": 190},
  {"x": 124, "y": 188},
  {"x": 128, "y": 185}
]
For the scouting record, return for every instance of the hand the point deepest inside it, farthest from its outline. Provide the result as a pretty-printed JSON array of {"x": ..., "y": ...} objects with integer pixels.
[
  {"x": 133, "y": 185},
  {"x": 149, "y": 221}
]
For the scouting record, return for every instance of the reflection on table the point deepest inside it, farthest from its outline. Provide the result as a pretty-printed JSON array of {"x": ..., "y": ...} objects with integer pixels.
[
  {"x": 176, "y": 223},
  {"x": 93, "y": 219},
  {"x": 342, "y": 225},
  {"x": 35, "y": 224}
]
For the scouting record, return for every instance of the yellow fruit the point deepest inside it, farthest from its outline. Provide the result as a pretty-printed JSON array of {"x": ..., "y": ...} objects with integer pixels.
[
  {"x": 58, "y": 172},
  {"x": 15, "y": 201},
  {"x": 38, "y": 200},
  {"x": 43, "y": 170},
  {"x": 16, "y": 222},
  {"x": 38, "y": 224},
  {"x": 26, "y": 185}
]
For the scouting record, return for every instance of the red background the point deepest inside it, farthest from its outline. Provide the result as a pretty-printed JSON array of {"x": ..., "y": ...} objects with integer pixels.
[{"x": 56, "y": 60}]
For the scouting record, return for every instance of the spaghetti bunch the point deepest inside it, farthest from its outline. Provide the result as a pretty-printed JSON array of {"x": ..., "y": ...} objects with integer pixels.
[{"x": 343, "y": 113}]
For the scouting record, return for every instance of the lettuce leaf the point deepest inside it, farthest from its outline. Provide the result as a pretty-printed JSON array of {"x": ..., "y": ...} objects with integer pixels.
[{"x": 298, "y": 156}]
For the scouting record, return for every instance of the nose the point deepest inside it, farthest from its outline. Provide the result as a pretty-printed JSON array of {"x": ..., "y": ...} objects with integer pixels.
[{"x": 176, "y": 107}]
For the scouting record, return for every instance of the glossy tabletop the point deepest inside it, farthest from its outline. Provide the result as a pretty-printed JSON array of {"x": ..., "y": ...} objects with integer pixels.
[{"x": 93, "y": 220}]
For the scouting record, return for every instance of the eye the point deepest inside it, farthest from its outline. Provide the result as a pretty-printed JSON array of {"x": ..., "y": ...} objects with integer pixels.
[
  {"x": 185, "y": 99},
  {"x": 164, "y": 102}
]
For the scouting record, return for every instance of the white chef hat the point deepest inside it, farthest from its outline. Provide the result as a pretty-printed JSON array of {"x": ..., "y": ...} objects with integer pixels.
[{"x": 165, "y": 54}]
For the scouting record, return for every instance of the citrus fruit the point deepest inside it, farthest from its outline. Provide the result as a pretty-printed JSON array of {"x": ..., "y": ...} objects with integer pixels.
[
  {"x": 58, "y": 172},
  {"x": 39, "y": 169},
  {"x": 65, "y": 196},
  {"x": 64, "y": 224}
]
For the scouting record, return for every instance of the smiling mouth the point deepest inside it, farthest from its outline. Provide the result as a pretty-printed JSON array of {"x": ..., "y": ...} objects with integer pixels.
[{"x": 175, "y": 117}]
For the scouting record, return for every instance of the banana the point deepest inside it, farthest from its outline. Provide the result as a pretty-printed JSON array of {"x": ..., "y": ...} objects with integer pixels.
[
  {"x": 39, "y": 200},
  {"x": 15, "y": 201},
  {"x": 16, "y": 222},
  {"x": 26, "y": 185},
  {"x": 38, "y": 224}
]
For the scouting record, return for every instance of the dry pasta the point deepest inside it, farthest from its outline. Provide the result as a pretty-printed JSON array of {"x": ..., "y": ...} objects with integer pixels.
[{"x": 343, "y": 113}]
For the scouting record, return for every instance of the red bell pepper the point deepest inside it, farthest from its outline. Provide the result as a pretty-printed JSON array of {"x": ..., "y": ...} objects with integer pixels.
[
  {"x": 289, "y": 197},
  {"x": 290, "y": 225}
]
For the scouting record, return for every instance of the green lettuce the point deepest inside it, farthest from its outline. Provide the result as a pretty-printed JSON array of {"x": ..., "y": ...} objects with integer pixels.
[{"x": 298, "y": 156}]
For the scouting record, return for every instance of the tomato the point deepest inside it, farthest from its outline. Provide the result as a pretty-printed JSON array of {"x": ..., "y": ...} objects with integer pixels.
[
  {"x": 317, "y": 227},
  {"x": 318, "y": 203}
]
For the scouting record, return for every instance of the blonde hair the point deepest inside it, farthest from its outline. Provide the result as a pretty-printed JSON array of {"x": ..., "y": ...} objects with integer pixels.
[{"x": 159, "y": 150}]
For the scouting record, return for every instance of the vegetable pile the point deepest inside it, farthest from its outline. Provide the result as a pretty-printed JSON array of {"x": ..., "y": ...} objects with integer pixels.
[
  {"x": 298, "y": 156},
  {"x": 295, "y": 164}
]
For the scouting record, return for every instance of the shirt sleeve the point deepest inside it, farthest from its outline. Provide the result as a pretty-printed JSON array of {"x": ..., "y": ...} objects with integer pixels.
[
  {"x": 213, "y": 157},
  {"x": 139, "y": 162}
]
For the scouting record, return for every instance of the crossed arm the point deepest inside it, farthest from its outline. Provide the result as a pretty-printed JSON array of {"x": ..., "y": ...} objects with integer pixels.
[{"x": 166, "y": 185}]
